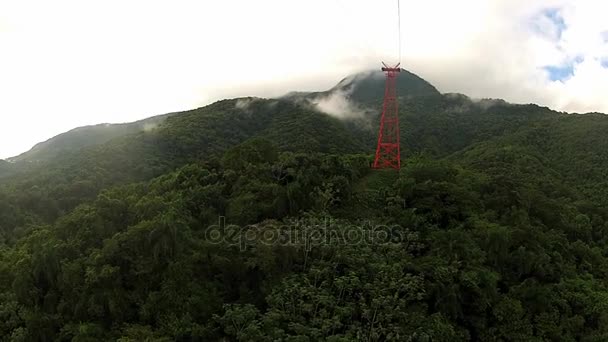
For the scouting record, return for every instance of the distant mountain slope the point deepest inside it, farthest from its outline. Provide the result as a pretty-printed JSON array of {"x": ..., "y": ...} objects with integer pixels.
[
  {"x": 446, "y": 124},
  {"x": 573, "y": 146},
  {"x": 431, "y": 122},
  {"x": 83, "y": 137},
  {"x": 76, "y": 165},
  {"x": 363, "y": 88},
  {"x": 195, "y": 135},
  {"x": 4, "y": 166},
  {"x": 367, "y": 88}
]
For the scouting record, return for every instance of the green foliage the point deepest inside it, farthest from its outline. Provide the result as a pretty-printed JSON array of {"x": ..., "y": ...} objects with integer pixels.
[{"x": 250, "y": 220}]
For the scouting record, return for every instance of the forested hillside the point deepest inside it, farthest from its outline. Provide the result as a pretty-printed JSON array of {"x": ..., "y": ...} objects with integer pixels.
[
  {"x": 83, "y": 137},
  {"x": 260, "y": 220}
]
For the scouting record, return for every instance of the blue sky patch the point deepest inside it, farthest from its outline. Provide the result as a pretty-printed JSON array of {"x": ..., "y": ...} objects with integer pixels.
[
  {"x": 557, "y": 73},
  {"x": 565, "y": 71},
  {"x": 605, "y": 63},
  {"x": 605, "y": 36}
]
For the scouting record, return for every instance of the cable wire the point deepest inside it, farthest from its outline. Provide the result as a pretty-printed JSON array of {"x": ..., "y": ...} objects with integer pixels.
[{"x": 399, "y": 27}]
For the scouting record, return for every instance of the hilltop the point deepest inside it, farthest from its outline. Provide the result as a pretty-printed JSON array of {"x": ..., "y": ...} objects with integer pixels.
[{"x": 259, "y": 219}]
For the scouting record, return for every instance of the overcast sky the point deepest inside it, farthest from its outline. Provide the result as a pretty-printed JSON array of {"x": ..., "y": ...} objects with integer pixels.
[{"x": 65, "y": 64}]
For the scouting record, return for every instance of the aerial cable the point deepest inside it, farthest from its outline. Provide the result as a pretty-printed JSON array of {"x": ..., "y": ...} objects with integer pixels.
[{"x": 399, "y": 28}]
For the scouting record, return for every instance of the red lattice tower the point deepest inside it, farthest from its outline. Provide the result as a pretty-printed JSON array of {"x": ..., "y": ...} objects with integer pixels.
[{"x": 388, "y": 153}]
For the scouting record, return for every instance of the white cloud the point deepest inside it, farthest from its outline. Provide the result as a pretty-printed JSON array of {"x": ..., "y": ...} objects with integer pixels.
[
  {"x": 505, "y": 56},
  {"x": 337, "y": 104},
  {"x": 68, "y": 63}
]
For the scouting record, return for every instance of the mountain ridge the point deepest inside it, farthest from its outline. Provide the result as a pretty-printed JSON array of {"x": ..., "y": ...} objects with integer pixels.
[
  {"x": 494, "y": 228},
  {"x": 364, "y": 89},
  {"x": 434, "y": 123},
  {"x": 84, "y": 136}
]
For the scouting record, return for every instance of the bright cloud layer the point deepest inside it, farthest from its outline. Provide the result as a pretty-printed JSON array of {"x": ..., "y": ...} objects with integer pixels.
[{"x": 69, "y": 63}]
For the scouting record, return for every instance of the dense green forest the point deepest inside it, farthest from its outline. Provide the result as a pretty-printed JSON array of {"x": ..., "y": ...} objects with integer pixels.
[{"x": 261, "y": 220}]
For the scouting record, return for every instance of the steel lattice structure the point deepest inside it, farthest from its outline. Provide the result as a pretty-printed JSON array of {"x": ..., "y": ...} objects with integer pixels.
[{"x": 388, "y": 152}]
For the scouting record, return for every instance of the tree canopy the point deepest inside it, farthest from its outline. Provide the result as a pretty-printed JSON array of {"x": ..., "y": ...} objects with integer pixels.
[{"x": 260, "y": 220}]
